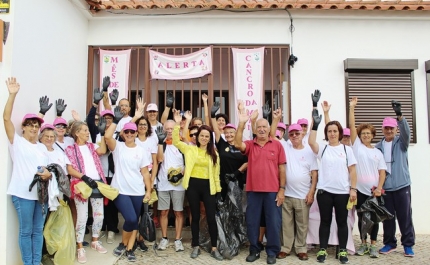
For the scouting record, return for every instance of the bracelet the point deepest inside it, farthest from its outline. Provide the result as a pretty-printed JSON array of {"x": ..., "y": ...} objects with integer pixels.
[
  {"x": 354, "y": 189},
  {"x": 280, "y": 187}
]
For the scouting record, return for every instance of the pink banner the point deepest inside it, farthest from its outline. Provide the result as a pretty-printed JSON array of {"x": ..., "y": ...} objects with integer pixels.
[
  {"x": 248, "y": 81},
  {"x": 116, "y": 65},
  {"x": 176, "y": 67}
]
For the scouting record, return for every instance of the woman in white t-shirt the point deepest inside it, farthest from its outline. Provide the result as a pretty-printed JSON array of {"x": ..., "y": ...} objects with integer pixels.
[
  {"x": 336, "y": 184},
  {"x": 27, "y": 154},
  {"x": 131, "y": 178},
  {"x": 370, "y": 173}
]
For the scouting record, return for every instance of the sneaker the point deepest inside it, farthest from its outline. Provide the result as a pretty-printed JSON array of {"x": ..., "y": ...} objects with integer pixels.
[
  {"x": 119, "y": 250},
  {"x": 130, "y": 255},
  {"x": 373, "y": 252},
  {"x": 343, "y": 256},
  {"x": 142, "y": 246},
  {"x": 363, "y": 249},
  {"x": 321, "y": 255},
  {"x": 387, "y": 249},
  {"x": 97, "y": 246},
  {"x": 253, "y": 257},
  {"x": 195, "y": 253},
  {"x": 178, "y": 245},
  {"x": 111, "y": 237},
  {"x": 409, "y": 252},
  {"x": 216, "y": 255},
  {"x": 82, "y": 257},
  {"x": 163, "y": 244}
]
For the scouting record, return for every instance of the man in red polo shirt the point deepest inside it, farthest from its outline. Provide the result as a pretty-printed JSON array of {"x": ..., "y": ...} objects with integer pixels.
[{"x": 265, "y": 186}]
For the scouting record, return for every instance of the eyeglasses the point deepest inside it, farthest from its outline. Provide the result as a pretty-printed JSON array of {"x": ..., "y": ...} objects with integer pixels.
[
  {"x": 294, "y": 134},
  {"x": 143, "y": 125},
  {"x": 60, "y": 126},
  {"x": 35, "y": 126},
  {"x": 193, "y": 134},
  {"x": 129, "y": 131}
]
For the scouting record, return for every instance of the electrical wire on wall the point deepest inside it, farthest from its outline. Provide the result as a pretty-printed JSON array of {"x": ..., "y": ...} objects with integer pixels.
[{"x": 292, "y": 59}]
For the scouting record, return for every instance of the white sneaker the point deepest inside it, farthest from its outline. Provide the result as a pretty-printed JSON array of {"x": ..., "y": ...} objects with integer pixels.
[
  {"x": 82, "y": 257},
  {"x": 110, "y": 238},
  {"x": 178, "y": 245},
  {"x": 163, "y": 244},
  {"x": 97, "y": 246}
]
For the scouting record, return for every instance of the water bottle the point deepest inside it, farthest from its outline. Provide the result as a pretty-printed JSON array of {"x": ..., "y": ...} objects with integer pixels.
[{"x": 40, "y": 169}]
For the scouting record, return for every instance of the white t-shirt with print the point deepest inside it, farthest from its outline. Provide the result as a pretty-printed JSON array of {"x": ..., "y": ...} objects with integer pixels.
[
  {"x": 26, "y": 157},
  {"x": 128, "y": 163},
  {"x": 150, "y": 147},
  {"x": 387, "y": 154},
  {"x": 300, "y": 163},
  {"x": 333, "y": 175},
  {"x": 369, "y": 161},
  {"x": 90, "y": 166},
  {"x": 172, "y": 158},
  {"x": 66, "y": 142},
  {"x": 104, "y": 159},
  {"x": 59, "y": 157}
]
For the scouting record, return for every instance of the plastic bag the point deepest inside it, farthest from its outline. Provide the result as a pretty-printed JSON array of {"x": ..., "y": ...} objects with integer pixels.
[
  {"x": 146, "y": 225},
  {"x": 59, "y": 235},
  {"x": 373, "y": 212}
]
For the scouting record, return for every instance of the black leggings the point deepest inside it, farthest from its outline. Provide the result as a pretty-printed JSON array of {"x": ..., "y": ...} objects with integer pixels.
[
  {"x": 361, "y": 198},
  {"x": 199, "y": 190},
  {"x": 326, "y": 202}
]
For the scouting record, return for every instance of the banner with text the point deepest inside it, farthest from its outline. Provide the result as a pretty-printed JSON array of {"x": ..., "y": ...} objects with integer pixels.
[
  {"x": 116, "y": 65},
  {"x": 248, "y": 82},
  {"x": 177, "y": 67}
]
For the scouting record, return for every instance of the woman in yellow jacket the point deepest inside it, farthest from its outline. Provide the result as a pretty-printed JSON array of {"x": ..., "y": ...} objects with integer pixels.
[{"x": 201, "y": 182}]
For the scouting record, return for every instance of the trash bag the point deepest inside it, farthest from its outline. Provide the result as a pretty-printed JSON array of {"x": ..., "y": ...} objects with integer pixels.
[
  {"x": 146, "y": 225},
  {"x": 62, "y": 179},
  {"x": 59, "y": 235},
  {"x": 204, "y": 236},
  {"x": 373, "y": 212}
]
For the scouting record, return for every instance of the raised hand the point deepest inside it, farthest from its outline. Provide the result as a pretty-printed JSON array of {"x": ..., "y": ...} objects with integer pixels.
[
  {"x": 140, "y": 104},
  {"x": 214, "y": 109},
  {"x": 315, "y": 97},
  {"x": 106, "y": 83},
  {"x": 75, "y": 115},
  {"x": 118, "y": 114},
  {"x": 240, "y": 106},
  {"x": 277, "y": 114},
  {"x": 188, "y": 115},
  {"x": 139, "y": 113},
  {"x": 316, "y": 119},
  {"x": 254, "y": 115},
  {"x": 170, "y": 99},
  {"x": 353, "y": 102},
  {"x": 177, "y": 116},
  {"x": 97, "y": 96},
  {"x": 102, "y": 126},
  {"x": 12, "y": 85},
  {"x": 161, "y": 135},
  {"x": 325, "y": 106},
  {"x": 204, "y": 97},
  {"x": 60, "y": 106},
  {"x": 244, "y": 117},
  {"x": 266, "y": 110},
  {"x": 114, "y": 96},
  {"x": 397, "y": 107},
  {"x": 44, "y": 105}
]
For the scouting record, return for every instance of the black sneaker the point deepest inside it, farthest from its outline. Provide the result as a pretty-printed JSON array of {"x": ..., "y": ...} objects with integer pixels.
[
  {"x": 343, "y": 256},
  {"x": 253, "y": 257},
  {"x": 142, "y": 246},
  {"x": 321, "y": 255},
  {"x": 119, "y": 250},
  {"x": 260, "y": 245},
  {"x": 130, "y": 255}
]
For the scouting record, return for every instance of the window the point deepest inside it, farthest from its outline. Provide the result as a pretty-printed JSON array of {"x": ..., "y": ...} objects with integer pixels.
[{"x": 376, "y": 83}]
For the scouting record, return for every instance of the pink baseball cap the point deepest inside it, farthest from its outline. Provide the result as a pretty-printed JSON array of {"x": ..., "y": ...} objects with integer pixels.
[
  {"x": 278, "y": 133},
  {"x": 294, "y": 127},
  {"x": 389, "y": 122},
  {"x": 346, "y": 132},
  {"x": 59, "y": 121},
  {"x": 47, "y": 126},
  {"x": 152, "y": 107},
  {"x": 303, "y": 121},
  {"x": 282, "y": 126},
  {"x": 32, "y": 116},
  {"x": 229, "y": 125},
  {"x": 130, "y": 126},
  {"x": 107, "y": 112}
]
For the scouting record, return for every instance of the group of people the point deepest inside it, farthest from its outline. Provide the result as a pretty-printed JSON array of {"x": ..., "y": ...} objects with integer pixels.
[{"x": 189, "y": 164}]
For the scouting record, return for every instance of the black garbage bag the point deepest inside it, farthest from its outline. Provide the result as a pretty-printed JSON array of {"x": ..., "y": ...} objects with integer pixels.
[
  {"x": 146, "y": 225},
  {"x": 373, "y": 212}
]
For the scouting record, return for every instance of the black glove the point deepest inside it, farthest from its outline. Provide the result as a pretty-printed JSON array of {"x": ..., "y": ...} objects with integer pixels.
[
  {"x": 97, "y": 96},
  {"x": 169, "y": 100},
  {"x": 160, "y": 134},
  {"x": 214, "y": 109},
  {"x": 102, "y": 126},
  {"x": 317, "y": 119},
  {"x": 59, "y": 105},
  {"x": 106, "y": 83},
  {"x": 266, "y": 110},
  {"x": 44, "y": 105},
  {"x": 397, "y": 107},
  {"x": 118, "y": 114},
  {"x": 315, "y": 97},
  {"x": 114, "y": 96},
  {"x": 89, "y": 181},
  {"x": 66, "y": 199}
]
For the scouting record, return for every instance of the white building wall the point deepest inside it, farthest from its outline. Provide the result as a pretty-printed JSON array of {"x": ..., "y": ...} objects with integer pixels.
[
  {"x": 47, "y": 51},
  {"x": 322, "y": 41}
]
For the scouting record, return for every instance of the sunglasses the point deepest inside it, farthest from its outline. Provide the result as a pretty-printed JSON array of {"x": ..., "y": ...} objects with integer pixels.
[
  {"x": 294, "y": 134},
  {"x": 193, "y": 134},
  {"x": 129, "y": 131},
  {"x": 60, "y": 126}
]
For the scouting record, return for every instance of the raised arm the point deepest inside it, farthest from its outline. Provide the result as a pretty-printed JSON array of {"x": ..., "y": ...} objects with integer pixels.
[
  {"x": 276, "y": 118},
  {"x": 206, "y": 110},
  {"x": 169, "y": 105},
  {"x": 238, "y": 142},
  {"x": 110, "y": 141},
  {"x": 214, "y": 109},
  {"x": 316, "y": 120},
  {"x": 44, "y": 106},
  {"x": 188, "y": 117},
  {"x": 175, "y": 135},
  {"x": 352, "y": 103},
  {"x": 161, "y": 136},
  {"x": 326, "y": 109},
  {"x": 140, "y": 110},
  {"x": 405, "y": 131},
  {"x": 13, "y": 88},
  {"x": 104, "y": 93}
]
